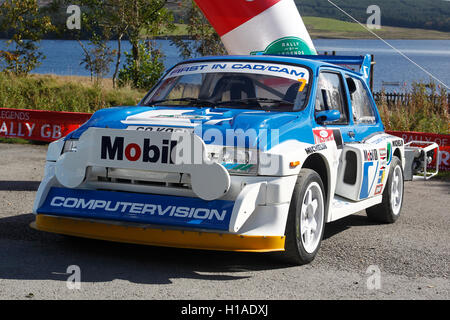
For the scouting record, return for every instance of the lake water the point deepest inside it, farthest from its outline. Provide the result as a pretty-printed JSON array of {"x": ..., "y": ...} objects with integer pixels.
[{"x": 63, "y": 57}]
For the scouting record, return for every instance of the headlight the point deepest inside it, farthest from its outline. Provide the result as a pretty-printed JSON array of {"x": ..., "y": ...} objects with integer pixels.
[
  {"x": 236, "y": 160},
  {"x": 70, "y": 146}
]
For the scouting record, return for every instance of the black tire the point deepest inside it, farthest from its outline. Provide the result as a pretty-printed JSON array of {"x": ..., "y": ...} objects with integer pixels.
[
  {"x": 388, "y": 211},
  {"x": 295, "y": 250}
]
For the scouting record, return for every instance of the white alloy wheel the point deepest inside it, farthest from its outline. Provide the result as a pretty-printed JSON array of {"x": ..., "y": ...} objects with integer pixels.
[
  {"x": 306, "y": 219},
  {"x": 388, "y": 211},
  {"x": 397, "y": 190},
  {"x": 312, "y": 215}
]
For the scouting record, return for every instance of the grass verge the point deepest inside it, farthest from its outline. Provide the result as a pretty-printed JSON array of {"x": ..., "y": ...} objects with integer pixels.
[
  {"x": 425, "y": 109},
  {"x": 61, "y": 93}
]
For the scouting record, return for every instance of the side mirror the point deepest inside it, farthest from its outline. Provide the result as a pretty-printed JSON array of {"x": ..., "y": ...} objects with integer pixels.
[{"x": 328, "y": 116}]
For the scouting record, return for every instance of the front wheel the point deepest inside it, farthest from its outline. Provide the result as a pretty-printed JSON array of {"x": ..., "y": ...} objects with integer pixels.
[
  {"x": 388, "y": 211},
  {"x": 306, "y": 219}
]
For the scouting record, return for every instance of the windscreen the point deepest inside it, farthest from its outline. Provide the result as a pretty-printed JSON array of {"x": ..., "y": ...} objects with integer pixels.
[{"x": 247, "y": 85}]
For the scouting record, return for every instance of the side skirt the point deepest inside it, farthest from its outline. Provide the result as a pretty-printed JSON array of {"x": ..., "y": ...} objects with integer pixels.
[{"x": 341, "y": 207}]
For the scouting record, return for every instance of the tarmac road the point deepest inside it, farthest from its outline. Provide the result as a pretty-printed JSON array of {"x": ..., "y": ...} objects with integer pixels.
[{"x": 412, "y": 255}]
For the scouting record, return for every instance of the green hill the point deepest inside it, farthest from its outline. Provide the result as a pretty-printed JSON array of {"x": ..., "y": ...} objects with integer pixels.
[
  {"x": 400, "y": 19},
  {"x": 421, "y": 14},
  {"x": 336, "y": 29}
]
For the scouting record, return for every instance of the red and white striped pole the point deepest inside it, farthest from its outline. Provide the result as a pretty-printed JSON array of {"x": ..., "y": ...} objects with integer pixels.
[{"x": 248, "y": 26}]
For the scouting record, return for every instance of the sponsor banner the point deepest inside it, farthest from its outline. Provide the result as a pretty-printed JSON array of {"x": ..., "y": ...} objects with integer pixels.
[
  {"x": 139, "y": 208},
  {"x": 247, "y": 26},
  {"x": 443, "y": 140},
  {"x": 39, "y": 125}
]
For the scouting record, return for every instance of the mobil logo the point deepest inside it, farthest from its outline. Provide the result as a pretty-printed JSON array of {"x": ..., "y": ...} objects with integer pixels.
[
  {"x": 116, "y": 149},
  {"x": 371, "y": 155}
]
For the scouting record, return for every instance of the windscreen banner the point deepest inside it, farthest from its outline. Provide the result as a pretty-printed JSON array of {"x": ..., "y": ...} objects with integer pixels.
[{"x": 251, "y": 26}]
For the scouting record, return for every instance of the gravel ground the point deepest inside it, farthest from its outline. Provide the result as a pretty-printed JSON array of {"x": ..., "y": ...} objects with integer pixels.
[{"x": 412, "y": 255}]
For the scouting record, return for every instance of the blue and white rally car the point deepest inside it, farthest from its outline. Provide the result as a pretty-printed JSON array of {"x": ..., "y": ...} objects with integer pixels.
[{"x": 241, "y": 153}]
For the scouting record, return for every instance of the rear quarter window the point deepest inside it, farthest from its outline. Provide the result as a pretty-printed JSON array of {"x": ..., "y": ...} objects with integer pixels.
[{"x": 362, "y": 106}]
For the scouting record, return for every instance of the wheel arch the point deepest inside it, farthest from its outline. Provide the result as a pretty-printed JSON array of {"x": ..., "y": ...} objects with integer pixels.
[
  {"x": 319, "y": 164},
  {"x": 398, "y": 154}
]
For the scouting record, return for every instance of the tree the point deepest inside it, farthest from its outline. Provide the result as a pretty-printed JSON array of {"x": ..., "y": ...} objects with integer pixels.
[
  {"x": 145, "y": 74},
  {"x": 144, "y": 19},
  {"x": 130, "y": 19},
  {"x": 23, "y": 19},
  {"x": 97, "y": 54},
  {"x": 97, "y": 58},
  {"x": 206, "y": 40}
]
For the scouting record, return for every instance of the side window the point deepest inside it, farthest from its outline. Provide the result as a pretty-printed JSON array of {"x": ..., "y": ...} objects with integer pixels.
[
  {"x": 330, "y": 95},
  {"x": 361, "y": 105}
]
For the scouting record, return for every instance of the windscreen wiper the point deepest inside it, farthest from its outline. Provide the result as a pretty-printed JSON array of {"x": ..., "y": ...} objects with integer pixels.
[{"x": 191, "y": 101}]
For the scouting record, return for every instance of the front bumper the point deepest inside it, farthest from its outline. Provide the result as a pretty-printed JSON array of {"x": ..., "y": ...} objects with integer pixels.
[{"x": 210, "y": 210}]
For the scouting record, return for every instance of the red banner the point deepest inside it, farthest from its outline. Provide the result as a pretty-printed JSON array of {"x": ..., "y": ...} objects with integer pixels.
[
  {"x": 39, "y": 125},
  {"x": 443, "y": 140}
]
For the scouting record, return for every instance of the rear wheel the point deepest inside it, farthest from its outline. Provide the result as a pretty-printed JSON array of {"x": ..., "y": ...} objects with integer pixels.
[
  {"x": 388, "y": 211},
  {"x": 306, "y": 219}
]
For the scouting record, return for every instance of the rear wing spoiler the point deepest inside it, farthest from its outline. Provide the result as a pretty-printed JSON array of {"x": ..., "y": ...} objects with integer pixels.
[
  {"x": 364, "y": 64},
  {"x": 361, "y": 64}
]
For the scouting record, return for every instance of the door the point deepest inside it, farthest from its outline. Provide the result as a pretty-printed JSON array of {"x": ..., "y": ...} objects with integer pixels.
[
  {"x": 331, "y": 95},
  {"x": 361, "y": 171}
]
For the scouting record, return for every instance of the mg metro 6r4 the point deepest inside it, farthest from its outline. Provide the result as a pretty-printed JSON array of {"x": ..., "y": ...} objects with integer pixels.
[{"x": 241, "y": 153}]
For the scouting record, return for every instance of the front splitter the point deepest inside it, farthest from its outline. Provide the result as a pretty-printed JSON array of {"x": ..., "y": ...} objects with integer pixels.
[{"x": 156, "y": 236}]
